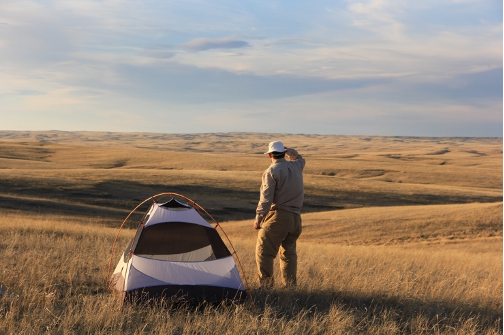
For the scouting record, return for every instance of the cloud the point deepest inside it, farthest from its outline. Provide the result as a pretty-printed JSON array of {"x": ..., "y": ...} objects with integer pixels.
[
  {"x": 160, "y": 54},
  {"x": 378, "y": 64},
  {"x": 172, "y": 81},
  {"x": 382, "y": 17},
  {"x": 27, "y": 44},
  {"x": 202, "y": 44},
  {"x": 25, "y": 92}
]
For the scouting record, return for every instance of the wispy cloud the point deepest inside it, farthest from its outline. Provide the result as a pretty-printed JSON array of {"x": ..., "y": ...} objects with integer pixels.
[
  {"x": 325, "y": 66},
  {"x": 202, "y": 44},
  {"x": 159, "y": 54},
  {"x": 378, "y": 16}
]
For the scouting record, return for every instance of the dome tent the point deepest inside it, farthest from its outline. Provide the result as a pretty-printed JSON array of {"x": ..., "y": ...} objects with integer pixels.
[{"x": 176, "y": 253}]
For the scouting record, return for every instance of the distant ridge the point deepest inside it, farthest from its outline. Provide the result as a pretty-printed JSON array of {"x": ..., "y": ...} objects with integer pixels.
[{"x": 227, "y": 142}]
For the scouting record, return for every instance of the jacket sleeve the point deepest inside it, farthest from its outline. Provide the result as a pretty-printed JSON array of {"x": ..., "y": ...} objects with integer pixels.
[
  {"x": 293, "y": 155},
  {"x": 268, "y": 186}
]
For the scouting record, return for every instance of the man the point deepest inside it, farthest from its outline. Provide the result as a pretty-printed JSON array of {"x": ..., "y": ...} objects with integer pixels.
[{"x": 278, "y": 216}]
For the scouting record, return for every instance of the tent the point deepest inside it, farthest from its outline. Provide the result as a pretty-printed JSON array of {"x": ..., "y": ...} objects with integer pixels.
[{"x": 176, "y": 253}]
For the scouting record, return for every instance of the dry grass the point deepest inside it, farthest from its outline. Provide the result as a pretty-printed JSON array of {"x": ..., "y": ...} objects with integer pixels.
[
  {"x": 401, "y": 235},
  {"x": 118, "y": 170},
  {"x": 58, "y": 266},
  {"x": 433, "y": 224}
]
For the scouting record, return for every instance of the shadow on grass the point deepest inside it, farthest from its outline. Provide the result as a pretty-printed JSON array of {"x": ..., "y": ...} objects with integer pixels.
[
  {"x": 290, "y": 304},
  {"x": 114, "y": 199},
  {"x": 365, "y": 312}
]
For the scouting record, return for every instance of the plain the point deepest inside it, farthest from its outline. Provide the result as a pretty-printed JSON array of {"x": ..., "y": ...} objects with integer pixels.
[{"x": 401, "y": 234}]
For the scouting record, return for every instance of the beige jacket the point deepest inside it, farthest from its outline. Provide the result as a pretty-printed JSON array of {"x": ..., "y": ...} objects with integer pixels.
[{"x": 282, "y": 185}]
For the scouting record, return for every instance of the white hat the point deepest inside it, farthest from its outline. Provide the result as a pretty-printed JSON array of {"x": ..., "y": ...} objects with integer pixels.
[{"x": 276, "y": 146}]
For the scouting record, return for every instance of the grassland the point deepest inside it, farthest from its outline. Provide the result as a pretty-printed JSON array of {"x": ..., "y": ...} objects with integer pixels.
[{"x": 401, "y": 235}]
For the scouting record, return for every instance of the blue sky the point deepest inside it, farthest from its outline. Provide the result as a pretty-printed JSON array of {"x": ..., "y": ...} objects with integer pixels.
[{"x": 354, "y": 67}]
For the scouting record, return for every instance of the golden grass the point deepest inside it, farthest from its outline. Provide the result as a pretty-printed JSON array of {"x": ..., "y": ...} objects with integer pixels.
[
  {"x": 57, "y": 266},
  {"x": 414, "y": 247},
  {"x": 397, "y": 225},
  {"x": 121, "y": 169}
]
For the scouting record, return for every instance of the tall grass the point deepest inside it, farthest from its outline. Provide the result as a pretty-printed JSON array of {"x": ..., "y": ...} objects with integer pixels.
[{"x": 55, "y": 270}]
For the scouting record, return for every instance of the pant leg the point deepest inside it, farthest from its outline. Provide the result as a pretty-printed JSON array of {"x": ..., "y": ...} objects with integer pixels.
[
  {"x": 269, "y": 239},
  {"x": 288, "y": 254}
]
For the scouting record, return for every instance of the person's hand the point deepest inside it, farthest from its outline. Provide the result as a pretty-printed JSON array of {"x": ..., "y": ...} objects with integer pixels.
[
  {"x": 290, "y": 154},
  {"x": 257, "y": 225}
]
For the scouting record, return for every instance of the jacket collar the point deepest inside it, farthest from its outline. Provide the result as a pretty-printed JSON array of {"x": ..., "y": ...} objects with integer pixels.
[{"x": 278, "y": 161}]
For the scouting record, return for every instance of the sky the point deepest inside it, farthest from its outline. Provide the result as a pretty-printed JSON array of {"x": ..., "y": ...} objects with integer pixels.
[{"x": 347, "y": 67}]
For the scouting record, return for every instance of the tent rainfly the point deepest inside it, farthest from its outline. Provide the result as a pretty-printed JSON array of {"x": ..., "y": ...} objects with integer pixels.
[{"x": 176, "y": 253}]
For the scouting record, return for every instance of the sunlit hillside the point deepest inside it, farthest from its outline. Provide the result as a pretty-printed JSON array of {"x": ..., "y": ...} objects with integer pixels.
[
  {"x": 103, "y": 173},
  {"x": 401, "y": 235}
]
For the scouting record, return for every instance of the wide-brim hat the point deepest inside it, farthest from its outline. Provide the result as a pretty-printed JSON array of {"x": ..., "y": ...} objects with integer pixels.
[{"x": 275, "y": 146}]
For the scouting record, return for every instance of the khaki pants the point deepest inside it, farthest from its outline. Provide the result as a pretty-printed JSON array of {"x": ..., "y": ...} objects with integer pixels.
[{"x": 280, "y": 230}]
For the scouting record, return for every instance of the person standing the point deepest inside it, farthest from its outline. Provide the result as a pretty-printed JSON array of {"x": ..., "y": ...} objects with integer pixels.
[{"x": 278, "y": 214}]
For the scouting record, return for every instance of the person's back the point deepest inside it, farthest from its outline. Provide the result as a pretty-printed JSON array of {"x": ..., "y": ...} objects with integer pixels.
[
  {"x": 289, "y": 192},
  {"x": 278, "y": 210}
]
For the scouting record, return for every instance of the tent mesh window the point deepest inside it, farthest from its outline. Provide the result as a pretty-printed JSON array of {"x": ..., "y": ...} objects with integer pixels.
[
  {"x": 180, "y": 242},
  {"x": 175, "y": 205}
]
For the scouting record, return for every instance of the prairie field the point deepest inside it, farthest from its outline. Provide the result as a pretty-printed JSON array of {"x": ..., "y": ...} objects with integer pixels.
[{"x": 401, "y": 235}]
